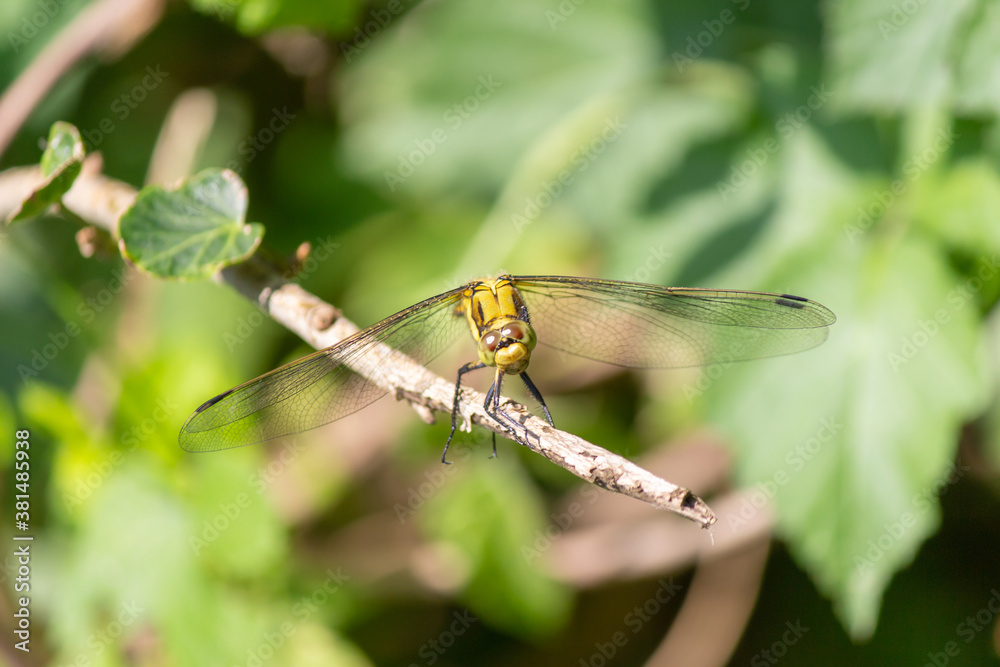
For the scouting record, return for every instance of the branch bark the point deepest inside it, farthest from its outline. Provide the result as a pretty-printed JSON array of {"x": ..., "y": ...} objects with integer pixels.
[{"x": 101, "y": 201}]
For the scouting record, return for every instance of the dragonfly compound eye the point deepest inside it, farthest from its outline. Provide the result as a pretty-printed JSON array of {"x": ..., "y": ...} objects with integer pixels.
[
  {"x": 488, "y": 344},
  {"x": 521, "y": 332},
  {"x": 490, "y": 340}
]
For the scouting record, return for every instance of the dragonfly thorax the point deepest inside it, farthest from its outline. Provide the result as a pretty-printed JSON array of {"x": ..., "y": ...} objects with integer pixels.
[{"x": 508, "y": 347}]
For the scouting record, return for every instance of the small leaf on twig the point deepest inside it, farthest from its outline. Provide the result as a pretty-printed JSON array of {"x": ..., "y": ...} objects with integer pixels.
[
  {"x": 61, "y": 163},
  {"x": 192, "y": 231}
]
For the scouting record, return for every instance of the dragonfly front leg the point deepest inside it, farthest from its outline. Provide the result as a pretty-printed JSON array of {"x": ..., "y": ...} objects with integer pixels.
[
  {"x": 492, "y": 407},
  {"x": 471, "y": 366},
  {"x": 535, "y": 394}
]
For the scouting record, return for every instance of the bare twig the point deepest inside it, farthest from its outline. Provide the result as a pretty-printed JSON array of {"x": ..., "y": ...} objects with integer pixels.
[
  {"x": 108, "y": 26},
  {"x": 101, "y": 201}
]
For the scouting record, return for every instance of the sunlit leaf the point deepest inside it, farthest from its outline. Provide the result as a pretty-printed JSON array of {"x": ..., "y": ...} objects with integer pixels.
[
  {"x": 426, "y": 113},
  {"x": 890, "y": 55},
  {"x": 853, "y": 441},
  {"x": 60, "y": 165},
  {"x": 192, "y": 231}
]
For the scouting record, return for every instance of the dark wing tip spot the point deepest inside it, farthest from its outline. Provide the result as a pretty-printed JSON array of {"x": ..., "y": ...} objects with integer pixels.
[
  {"x": 791, "y": 301},
  {"x": 212, "y": 401}
]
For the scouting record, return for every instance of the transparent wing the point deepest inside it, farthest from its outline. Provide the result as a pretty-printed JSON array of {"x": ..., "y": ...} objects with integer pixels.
[
  {"x": 649, "y": 326},
  {"x": 323, "y": 386}
]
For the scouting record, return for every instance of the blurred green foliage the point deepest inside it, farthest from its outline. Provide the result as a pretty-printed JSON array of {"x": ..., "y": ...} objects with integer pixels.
[{"x": 845, "y": 151}]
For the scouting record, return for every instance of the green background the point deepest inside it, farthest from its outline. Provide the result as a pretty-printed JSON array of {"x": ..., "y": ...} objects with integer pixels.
[{"x": 846, "y": 151}]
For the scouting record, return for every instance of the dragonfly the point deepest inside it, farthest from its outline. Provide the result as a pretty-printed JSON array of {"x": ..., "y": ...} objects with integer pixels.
[{"x": 634, "y": 325}]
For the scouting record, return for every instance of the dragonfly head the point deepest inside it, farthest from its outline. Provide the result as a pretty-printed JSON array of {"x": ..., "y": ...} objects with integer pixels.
[{"x": 509, "y": 347}]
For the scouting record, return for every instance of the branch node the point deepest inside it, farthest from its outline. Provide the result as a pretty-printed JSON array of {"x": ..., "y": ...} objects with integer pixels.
[
  {"x": 86, "y": 240},
  {"x": 322, "y": 316},
  {"x": 265, "y": 298}
]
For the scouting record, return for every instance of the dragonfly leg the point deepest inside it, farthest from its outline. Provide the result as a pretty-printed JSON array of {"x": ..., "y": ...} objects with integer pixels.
[
  {"x": 486, "y": 406},
  {"x": 492, "y": 407},
  {"x": 535, "y": 394},
  {"x": 471, "y": 366}
]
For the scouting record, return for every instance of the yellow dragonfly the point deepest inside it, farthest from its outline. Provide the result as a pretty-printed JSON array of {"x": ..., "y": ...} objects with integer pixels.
[{"x": 628, "y": 324}]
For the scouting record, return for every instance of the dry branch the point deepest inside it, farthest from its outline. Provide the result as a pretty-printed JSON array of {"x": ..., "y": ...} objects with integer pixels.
[{"x": 101, "y": 201}]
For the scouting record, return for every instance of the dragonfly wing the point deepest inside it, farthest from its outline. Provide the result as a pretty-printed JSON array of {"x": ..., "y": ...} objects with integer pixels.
[
  {"x": 649, "y": 326},
  {"x": 325, "y": 385}
]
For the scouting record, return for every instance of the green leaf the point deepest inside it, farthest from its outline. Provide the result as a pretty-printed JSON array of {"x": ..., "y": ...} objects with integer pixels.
[
  {"x": 867, "y": 426},
  {"x": 852, "y": 440},
  {"x": 424, "y": 105},
  {"x": 235, "y": 530},
  {"x": 498, "y": 538},
  {"x": 890, "y": 55},
  {"x": 960, "y": 206},
  {"x": 978, "y": 72},
  {"x": 192, "y": 231},
  {"x": 577, "y": 130},
  {"x": 138, "y": 525},
  {"x": 60, "y": 165}
]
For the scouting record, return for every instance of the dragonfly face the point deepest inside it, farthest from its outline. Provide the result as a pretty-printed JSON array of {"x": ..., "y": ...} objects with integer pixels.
[
  {"x": 498, "y": 319},
  {"x": 633, "y": 325}
]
